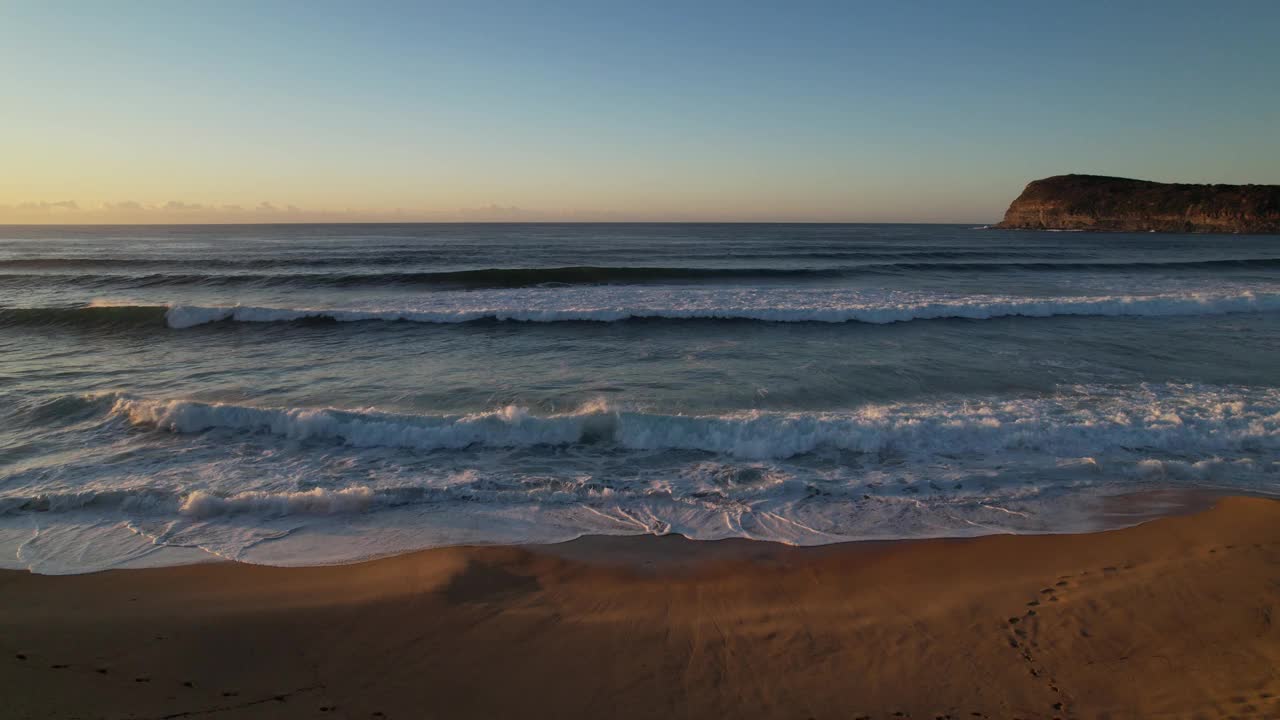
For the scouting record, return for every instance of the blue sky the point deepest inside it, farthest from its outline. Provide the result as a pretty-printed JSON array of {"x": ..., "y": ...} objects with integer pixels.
[{"x": 861, "y": 111}]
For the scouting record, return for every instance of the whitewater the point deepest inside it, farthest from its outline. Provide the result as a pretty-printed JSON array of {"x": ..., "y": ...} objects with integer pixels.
[
  {"x": 297, "y": 395},
  {"x": 827, "y": 306}
]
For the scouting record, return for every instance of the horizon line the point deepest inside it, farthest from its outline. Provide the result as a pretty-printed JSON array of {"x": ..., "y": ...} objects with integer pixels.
[{"x": 496, "y": 222}]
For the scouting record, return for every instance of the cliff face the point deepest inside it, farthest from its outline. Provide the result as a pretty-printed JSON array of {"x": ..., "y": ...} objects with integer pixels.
[{"x": 1095, "y": 202}]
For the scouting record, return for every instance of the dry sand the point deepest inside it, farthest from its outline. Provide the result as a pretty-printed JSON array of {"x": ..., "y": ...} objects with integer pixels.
[{"x": 1174, "y": 618}]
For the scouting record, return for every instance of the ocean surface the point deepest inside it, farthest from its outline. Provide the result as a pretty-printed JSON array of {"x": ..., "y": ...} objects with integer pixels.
[{"x": 325, "y": 393}]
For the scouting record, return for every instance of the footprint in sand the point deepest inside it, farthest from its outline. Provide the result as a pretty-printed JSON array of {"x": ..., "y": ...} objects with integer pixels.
[{"x": 1025, "y": 628}]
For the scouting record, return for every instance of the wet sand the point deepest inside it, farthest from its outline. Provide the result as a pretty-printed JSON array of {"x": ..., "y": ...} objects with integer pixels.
[{"x": 1174, "y": 618}]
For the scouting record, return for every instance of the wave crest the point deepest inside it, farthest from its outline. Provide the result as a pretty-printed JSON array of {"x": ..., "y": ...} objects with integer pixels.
[
  {"x": 576, "y": 275},
  {"x": 507, "y": 427},
  {"x": 634, "y": 303},
  {"x": 1197, "y": 421},
  {"x": 317, "y": 501},
  {"x": 87, "y": 315},
  {"x": 786, "y": 307}
]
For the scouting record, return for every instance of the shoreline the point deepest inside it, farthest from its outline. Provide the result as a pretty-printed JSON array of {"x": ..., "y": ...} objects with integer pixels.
[
  {"x": 1171, "y": 617},
  {"x": 1136, "y": 509},
  {"x": 1100, "y": 514}
]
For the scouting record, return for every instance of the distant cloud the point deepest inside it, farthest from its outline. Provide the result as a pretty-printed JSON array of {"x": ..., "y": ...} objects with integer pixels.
[
  {"x": 183, "y": 212},
  {"x": 498, "y": 213},
  {"x": 45, "y": 206},
  {"x": 123, "y": 206},
  {"x": 176, "y": 205},
  {"x": 179, "y": 211}
]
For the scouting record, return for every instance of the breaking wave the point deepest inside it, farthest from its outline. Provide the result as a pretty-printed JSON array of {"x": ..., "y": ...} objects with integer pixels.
[
  {"x": 759, "y": 306},
  {"x": 279, "y": 484},
  {"x": 1159, "y": 433},
  {"x": 1201, "y": 422},
  {"x": 605, "y": 305}
]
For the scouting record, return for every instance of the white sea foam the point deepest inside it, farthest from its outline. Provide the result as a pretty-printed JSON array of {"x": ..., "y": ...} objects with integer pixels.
[
  {"x": 1202, "y": 421},
  {"x": 307, "y": 485},
  {"x": 611, "y": 304},
  {"x": 506, "y": 427},
  {"x": 317, "y": 501}
]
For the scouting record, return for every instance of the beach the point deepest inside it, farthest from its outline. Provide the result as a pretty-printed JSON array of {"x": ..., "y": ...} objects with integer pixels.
[
  {"x": 1170, "y": 618},
  {"x": 693, "y": 361}
]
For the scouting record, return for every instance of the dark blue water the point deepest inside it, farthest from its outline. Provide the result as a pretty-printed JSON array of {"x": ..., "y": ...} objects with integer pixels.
[{"x": 301, "y": 394}]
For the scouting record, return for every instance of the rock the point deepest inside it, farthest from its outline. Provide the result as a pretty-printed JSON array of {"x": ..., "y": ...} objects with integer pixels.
[{"x": 1096, "y": 202}]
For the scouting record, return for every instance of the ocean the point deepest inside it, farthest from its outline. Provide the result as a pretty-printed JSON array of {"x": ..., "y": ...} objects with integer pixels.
[{"x": 307, "y": 394}]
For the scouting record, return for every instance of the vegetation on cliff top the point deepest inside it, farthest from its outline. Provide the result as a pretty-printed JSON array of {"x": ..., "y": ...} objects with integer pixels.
[{"x": 1096, "y": 202}]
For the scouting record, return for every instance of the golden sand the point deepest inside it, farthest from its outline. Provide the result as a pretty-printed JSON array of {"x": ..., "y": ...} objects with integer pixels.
[{"x": 1173, "y": 618}]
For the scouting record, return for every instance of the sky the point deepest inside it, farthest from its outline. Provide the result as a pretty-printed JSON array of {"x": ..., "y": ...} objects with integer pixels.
[{"x": 902, "y": 111}]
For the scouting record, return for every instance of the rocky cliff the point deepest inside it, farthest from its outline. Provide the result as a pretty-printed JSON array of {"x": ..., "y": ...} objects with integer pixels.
[{"x": 1095, "y": 202}]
